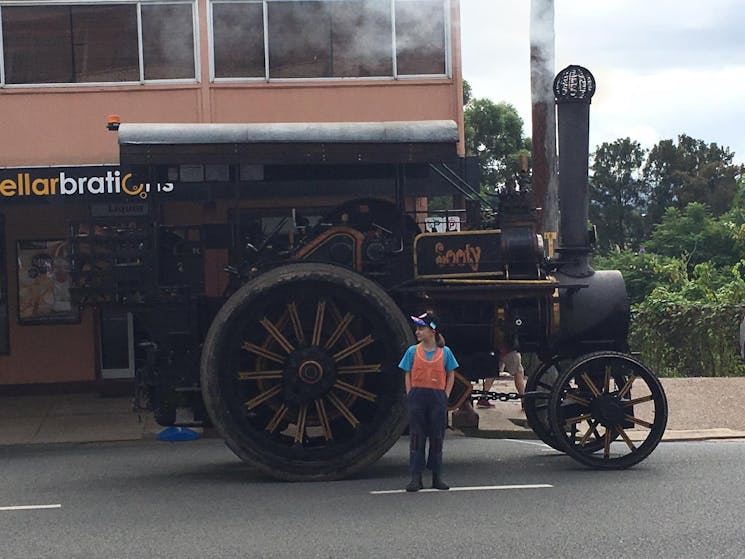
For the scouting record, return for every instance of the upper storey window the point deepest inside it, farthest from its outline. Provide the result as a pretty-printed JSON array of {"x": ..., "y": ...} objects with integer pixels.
[
  {"x": 308, "y": 39},
  {"x": 97, "y": 43}
]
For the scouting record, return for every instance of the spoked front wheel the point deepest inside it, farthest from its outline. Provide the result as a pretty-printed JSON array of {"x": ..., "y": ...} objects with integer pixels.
[
  {"x": 608, "y": 411},
  {"x": 539, "y": 386}
]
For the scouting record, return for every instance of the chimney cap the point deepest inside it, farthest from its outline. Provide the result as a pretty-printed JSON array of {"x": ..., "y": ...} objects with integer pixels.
[{"x": 574, "y": 84}]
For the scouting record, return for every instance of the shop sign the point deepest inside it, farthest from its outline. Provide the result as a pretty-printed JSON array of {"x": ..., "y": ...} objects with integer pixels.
[{"x": 76, "y": 181}]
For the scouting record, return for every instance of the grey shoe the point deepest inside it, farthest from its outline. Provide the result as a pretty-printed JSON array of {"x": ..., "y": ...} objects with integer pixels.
[
  {"x": 437, "y": 483},
  {"x": 415, "y": 484}
]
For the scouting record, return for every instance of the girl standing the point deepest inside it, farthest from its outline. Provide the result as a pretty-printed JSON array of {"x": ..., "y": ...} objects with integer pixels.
[{"x": 430, "y": 372}]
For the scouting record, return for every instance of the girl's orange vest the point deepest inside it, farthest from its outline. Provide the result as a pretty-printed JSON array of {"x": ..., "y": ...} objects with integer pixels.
[{"x": 428, "y": 374}]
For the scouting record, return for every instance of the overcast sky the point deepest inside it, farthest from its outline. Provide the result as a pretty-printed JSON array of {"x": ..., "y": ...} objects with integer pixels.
[{"x": 663, "y": 67}]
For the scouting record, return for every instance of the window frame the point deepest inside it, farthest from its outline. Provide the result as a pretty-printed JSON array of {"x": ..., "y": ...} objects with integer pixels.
[
  {"x": 447, "y": 23},
  {"x": 142, "y": 81}
]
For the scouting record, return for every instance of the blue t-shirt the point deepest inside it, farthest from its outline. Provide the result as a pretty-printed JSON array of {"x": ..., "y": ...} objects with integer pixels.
[{"x": 407, "y": 361}]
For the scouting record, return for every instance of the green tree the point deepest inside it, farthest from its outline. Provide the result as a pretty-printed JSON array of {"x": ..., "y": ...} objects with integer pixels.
[
  {"x": 618, "y": 194},
  {"x": 690, "y": 171},
  {"x": 693, "y": 233},
  {"x": 467, "y": 93},
  {"x": 494, "y": 133},
  {"x": 642, "y": 272}
]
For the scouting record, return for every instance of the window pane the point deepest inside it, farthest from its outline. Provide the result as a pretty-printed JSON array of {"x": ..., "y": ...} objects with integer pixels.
[
  {"x": 37, "y": 44},
  {"x": 361, "y": 40},
  {"x": 420, "y": 37},
  {"x": 238, "y": 31},
  {"x": 168, "y": 41},
  {"x": 299, "y": 39},
  {"x": 104, "y": 40},
  {"x": 70, "y": 44},
  {"x": 330, "y": 38}
]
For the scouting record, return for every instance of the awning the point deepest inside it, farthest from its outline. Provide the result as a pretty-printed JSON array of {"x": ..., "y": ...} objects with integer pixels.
[{"x": 289, "y": 143}]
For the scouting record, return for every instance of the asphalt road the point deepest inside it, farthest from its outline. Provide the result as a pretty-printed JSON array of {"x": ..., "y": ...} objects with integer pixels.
[{"x": 151, "y": 499}]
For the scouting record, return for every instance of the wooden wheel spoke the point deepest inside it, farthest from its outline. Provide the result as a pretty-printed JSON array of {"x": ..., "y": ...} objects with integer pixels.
[
  {"x": 323, "y": 418},
  {"x": 260, "y": 375},
  {"x": 339, "y": 330},
  {"x": 354, "y": 348},
  {"x": 262, "y": 352},
  {"x": 344, "y": 410},
  {"x": 297, "y": 326},
  {"x": 626, "y": 439},
  {"x": 264, "y": 396},
  {"x": 355, "y": 390},
  {"x": 592, "y": 429},
  {"x": 545, "y": 385},
  {"x": 579, "y": 399},
  {"x": 591, "y": 385},
  {"x": 638, "y": 400},
  {"x": 627, "y": 386},
  {"x": 277, "y": 335},
  {"x": 318, "y": 325},
  {"x": 355, "y": 369},
  {"x": 577, "y": 419},
  {"x": 606, "y": 383},
  {"x": 277, "y": 418},
  {"x": 606, "y": 446},
  {"x": 638, "y": 421},
  {"x": 301, "y": 420}
]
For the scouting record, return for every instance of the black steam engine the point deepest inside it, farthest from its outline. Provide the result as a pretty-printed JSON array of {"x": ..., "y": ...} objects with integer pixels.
[{"x": 296, "y": 366}]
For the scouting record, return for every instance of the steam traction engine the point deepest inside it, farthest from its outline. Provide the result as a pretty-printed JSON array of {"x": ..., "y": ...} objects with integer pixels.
[{"x": 297, "y": 367}]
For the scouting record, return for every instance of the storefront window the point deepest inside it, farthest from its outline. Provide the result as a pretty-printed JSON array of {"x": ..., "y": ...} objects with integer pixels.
[
  {"x": 44, "y": 283},
  {"x": 238, "y": 39},
  {"x": 420, "y": 37},
  {"x": 89, "y": 43},
  {"x": 168, "y": 41}
]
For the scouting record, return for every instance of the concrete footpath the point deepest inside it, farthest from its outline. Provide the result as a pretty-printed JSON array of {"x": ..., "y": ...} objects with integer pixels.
[{"x": 699, "y": 408}]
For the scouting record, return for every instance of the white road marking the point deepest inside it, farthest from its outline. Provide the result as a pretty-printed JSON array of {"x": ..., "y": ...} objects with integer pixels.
[
  {"x": 474, "y": 488},
  {"x": 526, "y": 442},
  {"x": 544, "y": 446},
  {"x": 30, "y": 507}
]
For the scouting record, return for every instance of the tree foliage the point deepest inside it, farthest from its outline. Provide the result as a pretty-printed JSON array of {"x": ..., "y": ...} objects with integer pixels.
[
  {"x": 618, "y": 194},
  {"x": 494, "y": 133},
  {"x": 642, "y": 271},
  {"x": 690, "y": 171},
  {"x": 691, "y": 328},
  {"x": 695, "y": 234}
]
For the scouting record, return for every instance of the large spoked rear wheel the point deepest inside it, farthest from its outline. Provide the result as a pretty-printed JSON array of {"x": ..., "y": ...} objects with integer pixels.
[
  {"x": 299, "y": 372},
  {"x": 539, "y": 385},
  {"x": 608, "y": 411}
]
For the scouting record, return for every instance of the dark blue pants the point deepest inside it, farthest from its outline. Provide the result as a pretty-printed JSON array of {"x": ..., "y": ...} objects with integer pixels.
[{"x": 428, "y": 415}]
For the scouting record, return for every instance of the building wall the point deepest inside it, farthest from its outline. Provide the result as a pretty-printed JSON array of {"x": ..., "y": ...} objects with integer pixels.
[
  {"x": 66, "y": 126},
  {"x": 54, "y": 353}
]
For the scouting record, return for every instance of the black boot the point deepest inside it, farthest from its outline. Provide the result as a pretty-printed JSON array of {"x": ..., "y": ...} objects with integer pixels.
[
  {"x": 437, "y": 482},
  {"x": 416, "y": 483}
]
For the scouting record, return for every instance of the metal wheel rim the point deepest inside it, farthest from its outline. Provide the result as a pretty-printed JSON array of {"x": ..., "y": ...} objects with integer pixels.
[{"x": 608, "y": 411}]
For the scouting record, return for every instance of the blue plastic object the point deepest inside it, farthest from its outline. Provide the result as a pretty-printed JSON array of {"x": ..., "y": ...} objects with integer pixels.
[{"x": 174, "y": 434}]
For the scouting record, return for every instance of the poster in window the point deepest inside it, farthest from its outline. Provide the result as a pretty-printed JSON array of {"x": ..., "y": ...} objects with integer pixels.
[{"x": 44, "y": 283}]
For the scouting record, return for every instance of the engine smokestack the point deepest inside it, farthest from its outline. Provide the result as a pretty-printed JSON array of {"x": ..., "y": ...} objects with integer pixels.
[{"x": 574, "y": 87}]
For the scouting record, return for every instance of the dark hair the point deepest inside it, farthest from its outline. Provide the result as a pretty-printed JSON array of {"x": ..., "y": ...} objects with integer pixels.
[{"x": 431, "y": 320}]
